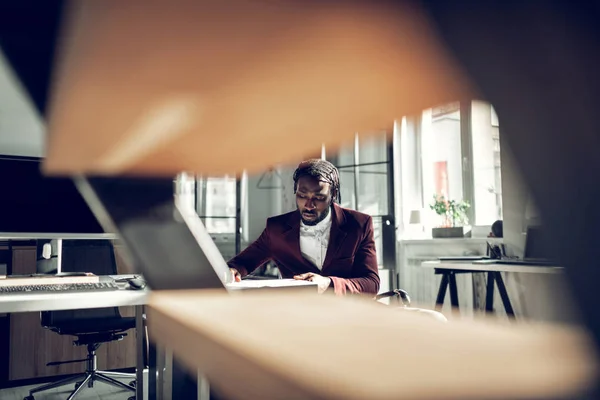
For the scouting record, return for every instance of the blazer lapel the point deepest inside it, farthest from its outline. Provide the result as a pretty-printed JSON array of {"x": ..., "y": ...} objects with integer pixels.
[{"x": 336, "y": 236}]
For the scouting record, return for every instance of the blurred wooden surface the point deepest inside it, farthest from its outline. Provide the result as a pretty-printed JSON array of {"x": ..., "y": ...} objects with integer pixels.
[
  {"x": 32, "y": 346},
  {"x": 323, "y": 347},
  {"x": 162, "y": 87}
]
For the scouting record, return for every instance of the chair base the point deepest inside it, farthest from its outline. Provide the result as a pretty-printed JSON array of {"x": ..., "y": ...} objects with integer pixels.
[{"x": 87, "y": 379}]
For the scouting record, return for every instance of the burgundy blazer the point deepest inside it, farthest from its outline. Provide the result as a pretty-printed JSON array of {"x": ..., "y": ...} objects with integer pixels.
[{"x": 350, "y": 262}]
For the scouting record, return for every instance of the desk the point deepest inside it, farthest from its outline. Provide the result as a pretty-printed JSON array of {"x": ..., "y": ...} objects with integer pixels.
[
  {"x": 448, "y": 270},
  {"x": 33, "y": 302},
  {"x": 303, "y": 346}
]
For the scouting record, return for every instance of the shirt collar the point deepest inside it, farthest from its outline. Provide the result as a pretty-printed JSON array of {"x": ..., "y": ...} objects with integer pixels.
[{"x": 321, "y": 226}]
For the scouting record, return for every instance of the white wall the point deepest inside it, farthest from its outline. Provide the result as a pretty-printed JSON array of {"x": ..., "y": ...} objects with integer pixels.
[
  {"x": 446, "y": 145},
  {"x": 407, "y": 172},
  {"x": 21, "y": 127},
  {"x": 440, "y": 141},
  {"x": 483, "y": 162},
  {"x": 514, "y": 199},
  {"x": 263, "y": 203}
]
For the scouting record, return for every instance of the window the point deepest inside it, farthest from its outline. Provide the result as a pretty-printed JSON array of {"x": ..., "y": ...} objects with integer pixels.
[
  {"x": 185, "y": 187},
  {"x": 364, "y": 168},
  {"x": 441, "y": 156},
  {"x": 213, "y": 199},
  {"x": 217, "y": 203},
  {"x": 453, "y": 151}
]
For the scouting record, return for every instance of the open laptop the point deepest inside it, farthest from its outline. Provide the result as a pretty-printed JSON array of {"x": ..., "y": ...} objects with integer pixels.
[
  {"x": 536, "y": 251},
  {"x": 167, "y": 242}
]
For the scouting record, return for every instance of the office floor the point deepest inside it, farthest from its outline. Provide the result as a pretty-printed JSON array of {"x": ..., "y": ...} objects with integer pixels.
[{"x": 100, "y": 391}]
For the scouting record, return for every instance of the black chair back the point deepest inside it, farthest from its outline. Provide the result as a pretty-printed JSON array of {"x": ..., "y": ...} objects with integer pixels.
[{"x": 95, "y": 256}]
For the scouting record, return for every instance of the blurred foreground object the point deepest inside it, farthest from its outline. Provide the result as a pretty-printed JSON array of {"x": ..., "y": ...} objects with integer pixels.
[
  {"x": 155, "y": 88},
  {"x": 323, "y": 347},
  {"x": 159, "y": 87}
]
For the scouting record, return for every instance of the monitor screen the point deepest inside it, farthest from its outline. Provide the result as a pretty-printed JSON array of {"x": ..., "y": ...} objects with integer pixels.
[
  {"x": 33, "y": 203},
  {"x": 535, "y": 244}
]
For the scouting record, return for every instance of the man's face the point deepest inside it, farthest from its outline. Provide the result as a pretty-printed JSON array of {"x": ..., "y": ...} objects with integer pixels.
[{"x": 313, "y": 199}]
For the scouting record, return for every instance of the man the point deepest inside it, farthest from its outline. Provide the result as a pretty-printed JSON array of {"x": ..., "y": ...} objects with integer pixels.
[{"x": 320, "y": 241}]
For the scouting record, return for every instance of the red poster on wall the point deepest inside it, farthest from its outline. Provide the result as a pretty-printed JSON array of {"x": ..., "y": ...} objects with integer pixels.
[{"x": 440, "y": 170}]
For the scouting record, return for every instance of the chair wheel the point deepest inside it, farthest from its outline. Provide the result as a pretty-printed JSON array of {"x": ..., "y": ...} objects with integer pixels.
[
  {"x": 28, "y": 398},
  {"x": 77, "y": 385},
  {"x": 132, "y": 384},
  {"x": 131, "y": 398}
]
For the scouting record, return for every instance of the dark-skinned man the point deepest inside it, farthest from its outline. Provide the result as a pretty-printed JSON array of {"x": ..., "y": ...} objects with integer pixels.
[{"x": 319, "y": 241}]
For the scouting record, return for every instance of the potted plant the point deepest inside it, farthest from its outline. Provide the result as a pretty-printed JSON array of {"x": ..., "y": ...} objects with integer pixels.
[{"x": 453, "y": 214}]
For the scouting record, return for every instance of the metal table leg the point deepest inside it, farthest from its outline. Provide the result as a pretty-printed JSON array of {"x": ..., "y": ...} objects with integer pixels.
[
  {"x": 203, "y": 388},
  {"x": 139, "y": 340},
  {"x": 489, "y": 293},
  {"x": 453, "y": 290},
  {"x": 504, "y": 295},
  {"x": 439, "y": 302},
  {"x": 152, "y": 371}
]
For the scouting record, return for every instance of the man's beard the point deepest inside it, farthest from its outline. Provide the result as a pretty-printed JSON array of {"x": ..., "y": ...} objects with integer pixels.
[{"x": 317, "y": 220}]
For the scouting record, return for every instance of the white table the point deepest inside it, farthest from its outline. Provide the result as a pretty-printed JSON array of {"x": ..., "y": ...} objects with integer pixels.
[
  {"x": 33, "y": 302},
  {"x": 475, "y": 267},
  {"x": 449, "y": 269}
]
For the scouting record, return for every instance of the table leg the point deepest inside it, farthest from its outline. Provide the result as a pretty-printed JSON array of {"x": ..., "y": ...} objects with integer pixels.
[
  {"x": 504, "y": 295},
  {"x": 489, "y": 293},
  {"x": 439, "y": 302},
  {"x": 152, "y": 370},
  {"x": 453, "y": 290},
  {"x": 203, "y": 387},
  {"x": 139, "y": 340},
  {"x": 160, "y": 371}
]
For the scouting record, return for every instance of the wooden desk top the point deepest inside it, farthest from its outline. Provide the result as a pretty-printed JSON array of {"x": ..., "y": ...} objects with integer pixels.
[
  {"x": 268, "y": 346},
  {"x": 162, "y": 87}
]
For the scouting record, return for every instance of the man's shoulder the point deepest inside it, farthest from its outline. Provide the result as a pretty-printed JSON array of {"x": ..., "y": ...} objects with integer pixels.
[
  {"x": 281, "y": 219},
  {"x": 354, "y": 216}
]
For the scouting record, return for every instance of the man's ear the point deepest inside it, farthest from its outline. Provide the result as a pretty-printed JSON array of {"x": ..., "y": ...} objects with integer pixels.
[{"x": 333, "y": 194}]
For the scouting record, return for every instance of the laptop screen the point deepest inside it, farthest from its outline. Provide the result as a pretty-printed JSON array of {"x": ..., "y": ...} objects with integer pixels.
[
  {"x": 168, "y": 245},
  {"x": 535, "y": 245}
]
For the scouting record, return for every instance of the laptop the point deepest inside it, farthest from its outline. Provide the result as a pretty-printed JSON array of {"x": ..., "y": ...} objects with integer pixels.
[
  {"x": 536, "y": 251},
  {"x": 168, "y": 243},
  {"x": 463, "y": 258}
]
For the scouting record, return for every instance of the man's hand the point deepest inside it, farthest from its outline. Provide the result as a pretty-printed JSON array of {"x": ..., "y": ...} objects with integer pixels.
[
  {"x": 322, "y": 282},
  {"x": 235, "y": 274}
]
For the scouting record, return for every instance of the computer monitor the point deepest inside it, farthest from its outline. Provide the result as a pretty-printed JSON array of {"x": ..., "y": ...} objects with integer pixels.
[
  {"x": 535, "y": 244},
  {"x": 46, "y": 209},
  {"x": 33, "y": 205}
]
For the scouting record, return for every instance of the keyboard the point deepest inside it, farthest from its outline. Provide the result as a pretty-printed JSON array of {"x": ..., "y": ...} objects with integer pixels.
[
  {"x": 61, "y": 288},
  {"x": 540, "y": 263}
]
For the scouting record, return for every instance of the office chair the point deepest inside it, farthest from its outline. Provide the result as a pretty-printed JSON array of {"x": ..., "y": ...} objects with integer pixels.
[
  {"x": 91, "y": 327},
  {"x": 399, "y": 298}
]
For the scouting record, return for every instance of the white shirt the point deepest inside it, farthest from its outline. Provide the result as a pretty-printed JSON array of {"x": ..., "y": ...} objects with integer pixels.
[{"x": 314, "y": 240}]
